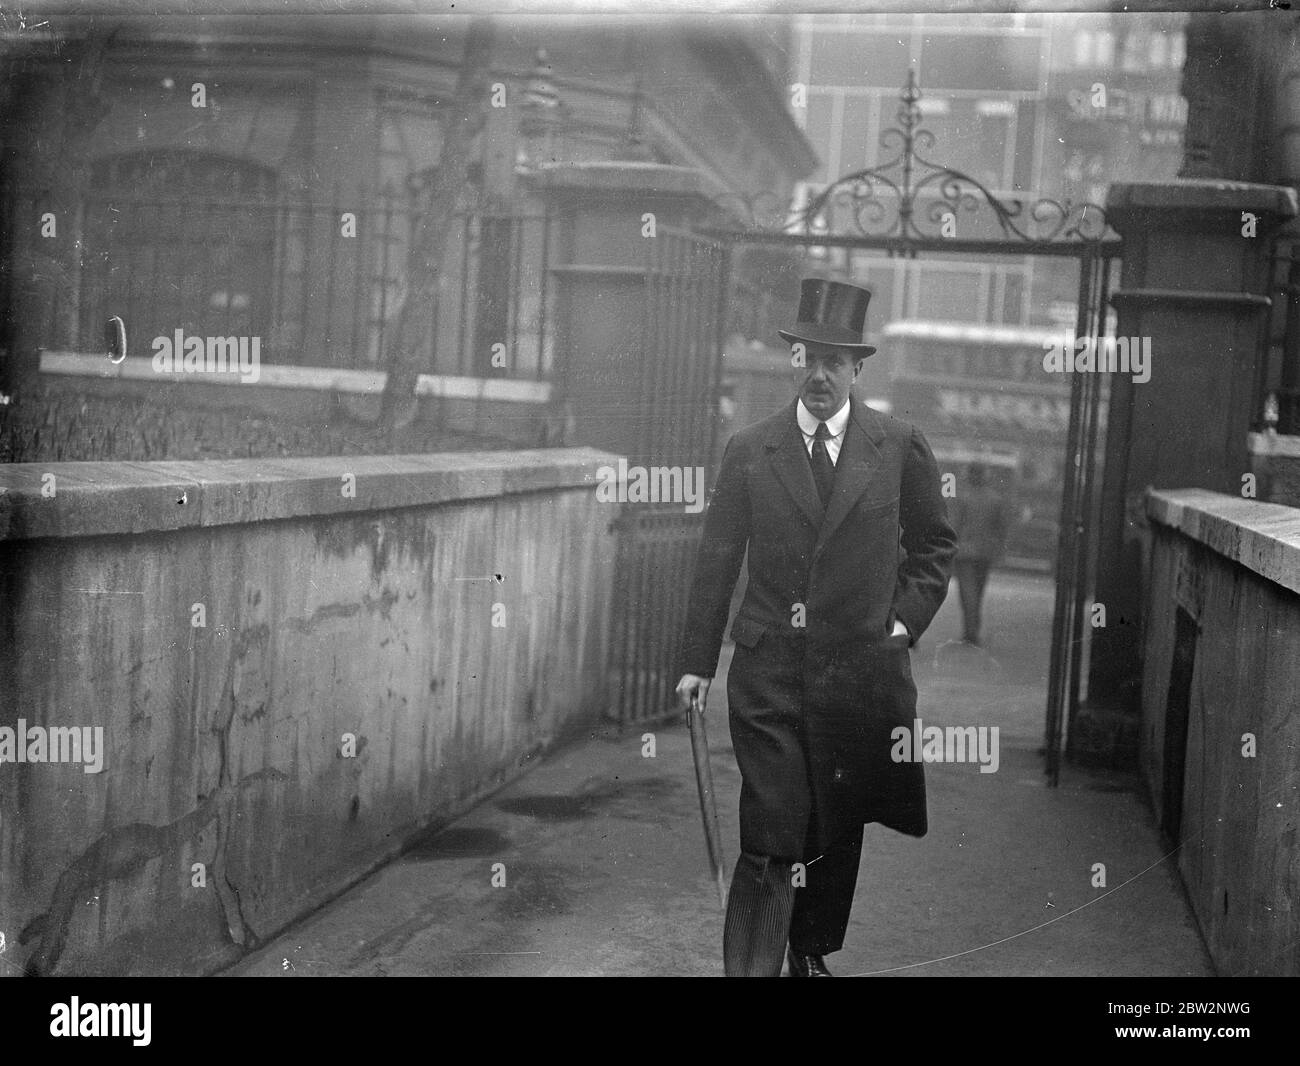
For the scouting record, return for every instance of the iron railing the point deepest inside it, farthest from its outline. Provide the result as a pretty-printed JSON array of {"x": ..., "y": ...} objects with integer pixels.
[
  {"x": 320, "y": 282},
  {"x": 1277, "y": 379},
  {"x": 677, "y": 382},
  {"x": 655, "y": 559},
  {"x": 1077, "y": 552}
]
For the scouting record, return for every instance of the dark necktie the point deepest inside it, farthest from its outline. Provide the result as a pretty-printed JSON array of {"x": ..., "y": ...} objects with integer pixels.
[{"x": 823, "y": 468}]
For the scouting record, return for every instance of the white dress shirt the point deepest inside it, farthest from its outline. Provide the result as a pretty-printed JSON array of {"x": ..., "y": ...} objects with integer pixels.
[{"x": 835, "y": 425}]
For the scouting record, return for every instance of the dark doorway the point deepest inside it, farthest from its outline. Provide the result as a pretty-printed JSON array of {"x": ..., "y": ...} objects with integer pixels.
[{"x": 1177, "y": 707}]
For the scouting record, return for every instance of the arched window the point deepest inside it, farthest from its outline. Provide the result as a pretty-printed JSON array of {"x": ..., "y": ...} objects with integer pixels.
[{"x": 178, "y": 240}]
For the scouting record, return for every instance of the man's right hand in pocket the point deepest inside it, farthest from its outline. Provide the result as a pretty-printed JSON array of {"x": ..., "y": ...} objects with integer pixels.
[{"x": 692, "y": 686}]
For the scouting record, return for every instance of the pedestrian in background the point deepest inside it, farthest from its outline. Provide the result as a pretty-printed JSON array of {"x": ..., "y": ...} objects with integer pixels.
[{"x": 981, "y": 517}]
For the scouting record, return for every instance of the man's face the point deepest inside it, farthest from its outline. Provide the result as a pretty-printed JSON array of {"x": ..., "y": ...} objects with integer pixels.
[{"x": 825, "y": 378}]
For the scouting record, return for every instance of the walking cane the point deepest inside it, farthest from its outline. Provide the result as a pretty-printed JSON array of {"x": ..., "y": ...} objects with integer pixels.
[{"x": 708, "y": 801}]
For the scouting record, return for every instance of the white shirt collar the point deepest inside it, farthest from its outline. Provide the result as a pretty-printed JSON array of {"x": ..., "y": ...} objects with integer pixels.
[{"x": 835, "y": 424}]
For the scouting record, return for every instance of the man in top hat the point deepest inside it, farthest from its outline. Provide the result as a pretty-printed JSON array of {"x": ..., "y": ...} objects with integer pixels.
[{"x": 849, "y": 548}]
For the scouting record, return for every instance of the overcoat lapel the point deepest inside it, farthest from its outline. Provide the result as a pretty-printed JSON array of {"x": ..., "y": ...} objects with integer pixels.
[
  {"x": 858, "y": 458},
  {"x": 789, "y": 459}
]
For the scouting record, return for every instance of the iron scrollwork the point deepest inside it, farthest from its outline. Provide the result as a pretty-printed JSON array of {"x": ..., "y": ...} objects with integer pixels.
[{"x": 909, "y": 198}]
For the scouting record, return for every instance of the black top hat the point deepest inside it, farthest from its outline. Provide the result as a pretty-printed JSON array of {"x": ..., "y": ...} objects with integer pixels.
[{"x": 831, "y": 312}]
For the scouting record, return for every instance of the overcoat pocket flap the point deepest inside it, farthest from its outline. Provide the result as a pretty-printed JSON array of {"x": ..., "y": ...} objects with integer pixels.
[
  {"x": 872, "y": 506},
  {"x": 747, "y": 631}
]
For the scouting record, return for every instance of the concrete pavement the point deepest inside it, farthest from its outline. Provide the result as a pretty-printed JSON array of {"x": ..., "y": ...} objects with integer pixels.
[{"x": 601, "y": 853}]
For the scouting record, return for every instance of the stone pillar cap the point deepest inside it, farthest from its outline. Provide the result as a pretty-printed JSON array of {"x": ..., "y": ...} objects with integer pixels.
[
  {"x": 1202, "y": 195},
  {"x": 620, "y": 177}
]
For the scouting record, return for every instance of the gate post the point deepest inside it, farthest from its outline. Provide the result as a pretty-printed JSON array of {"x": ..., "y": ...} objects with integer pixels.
[
  {"x": 1195, "y": 283},
  {"x": 600, "y": 275},
  {"x": 637, "y": 372}
]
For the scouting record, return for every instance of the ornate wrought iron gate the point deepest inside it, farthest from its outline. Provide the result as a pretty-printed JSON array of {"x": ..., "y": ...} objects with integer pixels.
[
  {"x": 1080, "y": 495},
  {"x": 677, "y": 394}
]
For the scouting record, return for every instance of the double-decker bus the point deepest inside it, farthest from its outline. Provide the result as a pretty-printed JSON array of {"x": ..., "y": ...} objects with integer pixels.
[{"x": 981, "y": 395}]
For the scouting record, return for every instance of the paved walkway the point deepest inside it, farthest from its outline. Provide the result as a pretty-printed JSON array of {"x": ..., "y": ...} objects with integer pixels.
[{"x": 606, "y": 873}]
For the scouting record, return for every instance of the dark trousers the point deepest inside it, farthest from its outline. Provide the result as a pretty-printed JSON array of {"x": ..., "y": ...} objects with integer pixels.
[
  {"x": 765, "y": 909},
  {"x": 972, "y": 575}
]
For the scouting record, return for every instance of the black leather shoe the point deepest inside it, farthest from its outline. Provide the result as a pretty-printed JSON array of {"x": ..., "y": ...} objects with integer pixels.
[{"x": 807, "y": 965}]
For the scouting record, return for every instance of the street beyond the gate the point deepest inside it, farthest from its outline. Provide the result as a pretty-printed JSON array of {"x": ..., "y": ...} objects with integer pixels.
[{"x": 602, "y": 856}]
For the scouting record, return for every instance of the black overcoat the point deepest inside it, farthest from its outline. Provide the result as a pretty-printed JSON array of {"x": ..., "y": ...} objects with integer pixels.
[{"x": 817, "y": 684}]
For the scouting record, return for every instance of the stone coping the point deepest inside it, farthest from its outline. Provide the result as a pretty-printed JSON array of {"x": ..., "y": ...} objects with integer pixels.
[
  {"x": 105, "y": 498},
  {"x": 1282, "y": 444},
  {"x": 1263, "y": 537},
  {"x": 622, "y": 177}
]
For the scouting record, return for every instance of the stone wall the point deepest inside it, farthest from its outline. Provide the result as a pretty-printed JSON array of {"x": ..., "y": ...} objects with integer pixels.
[
  {"x": 293, "y": 678},
  {"x": 1221, "y": 717}
]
